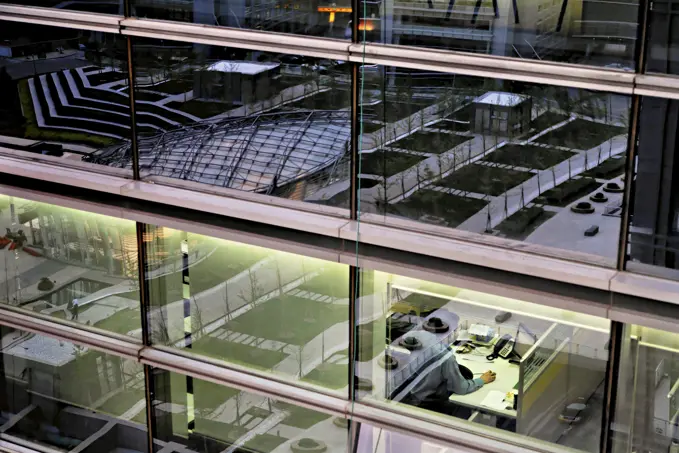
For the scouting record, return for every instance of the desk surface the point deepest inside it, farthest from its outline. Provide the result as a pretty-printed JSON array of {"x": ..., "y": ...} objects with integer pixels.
[{"x": 507, "y": 375}]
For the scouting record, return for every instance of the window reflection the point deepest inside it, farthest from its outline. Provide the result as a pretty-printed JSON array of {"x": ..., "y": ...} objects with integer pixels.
[
  {"x": 63, "y": 90},
  {"x": 521, "y": 161},
  {"x": 67, "y": 397},
  {"x": 647, "y": 405},
  {"x": 273, "y": 311},
  {"x": 192, "y": 415},
  {"x": 328, "y": 19},
  {"x": 267, "y": 123},
  {"x": 654, "y": 225},
  {"x": 503, "y": 363},
  {"x": 69, "y": 264},
  {"x": 600, "y": 33}
]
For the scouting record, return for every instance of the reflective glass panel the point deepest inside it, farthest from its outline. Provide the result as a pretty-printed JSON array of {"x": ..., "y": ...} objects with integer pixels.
[
  {"x": 301, "y": 18},
  {"x": 69, "y": 264},
  {"x": 647, "y": 406},
  {"x": 518, "y": 161},
  {"x": 591, "y": 32},
  {"x": 662, "y": 38},
  {"x": 276, "y": 312},
  {"x": 59, "y": 396},
  {"x": 511, "y": 365},
  {"x": 252, "y": 121},
  {"x": 654, "y": 223},
  {"x": 192, "y": 415},
  {"x": 90, "y": 6},
  {"x": 372, "y": 439},
  {"x": 62, "y": 91}
]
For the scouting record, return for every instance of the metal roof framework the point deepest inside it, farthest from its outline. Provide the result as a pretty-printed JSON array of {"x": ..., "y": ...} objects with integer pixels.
[{"x": 257, "y": 153}]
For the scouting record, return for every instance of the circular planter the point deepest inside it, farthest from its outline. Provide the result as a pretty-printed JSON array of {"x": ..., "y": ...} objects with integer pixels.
[
  {"x": 436, "y": 325},
  {"x": 362, "y": 383},
  {"x": 613, "y": 187},
  {"x": 388, "y": 362},
  {"x": 410, "y": 343},
  {"x": 584, "y": 207},
  {"x": 308, "y": 445},
  {"x": 45, "y": 284},
  {"x": 341, "y": 422},
  {"x": 599, "y": 198}
]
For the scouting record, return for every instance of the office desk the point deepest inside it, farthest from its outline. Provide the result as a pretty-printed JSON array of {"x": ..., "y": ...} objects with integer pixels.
[{"x": 507, "y": 375}]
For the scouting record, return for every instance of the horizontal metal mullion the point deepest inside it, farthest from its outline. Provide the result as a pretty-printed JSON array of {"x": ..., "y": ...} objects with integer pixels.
[
  {"x": 105, "y": 342},
  {"x": 543, "y": 72},
  {"x": 108, "y": 23},
  {"x": 248, "y": 39}
]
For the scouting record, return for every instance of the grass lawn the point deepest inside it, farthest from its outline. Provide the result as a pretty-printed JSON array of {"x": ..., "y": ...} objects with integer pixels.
[
  {"x": 530, "y": 156},
  {"x": 121, "y": 322},
  {"x": 238, "y": 353},
  {"x": 581, "y": 134},
  {"x": 393, "y": 111},
  {"x": 142, "y": 95},
  {"x": 327, "y": 100},
  {"x": 225, "y": 262},
  {"x": 172, "y": 86},
  {"x": 369, "y": 127},
  {"x": 333, "y": 282},
  {"x": 105, "y": 77},
  {"x": 330, "y": 375},
  {"x": 608, "y": 169},
  {"x": 482, "y": 179},
  {"x": 123, "y": 401},
  {"x": 569, "y": 191},
  {"x": 387, "y": 163},
  {"x": 430, "y": 142},
  {"x": 421, "y": 304},
  {"x": 202, "y": 109},
  {"x": 547, "y": 119},
  {"x": 451, "y": 209},
  {"x": 34, "y": 132},
  {"x": 301, "y": 417},
  {"x": 289, "y": 319},
  {"x": 523, "y": 222}
]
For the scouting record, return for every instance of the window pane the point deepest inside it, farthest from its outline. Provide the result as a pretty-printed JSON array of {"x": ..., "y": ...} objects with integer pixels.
[
  {"x": 518, "y": 161},
  {"x": 379, "y": 440},
  {"x": 206, "y": 417},
  {"x": 301, "y": 18},
  {"x": 648, "y": 405},
  {"x": 600, "y": 33},
  {"x": 662, "y": 38},
  {"x": 654, "y": 224},
  {"x": 474, "y": 356},
  {"x": 273, "y": 311},
  {"x": 69, "y": 264},
  {"x": 63, "y": 91},
  {"x": 102, "y": 7},
  {"x": 266, "y": 123},
  {"x": 66, "y": 397}
]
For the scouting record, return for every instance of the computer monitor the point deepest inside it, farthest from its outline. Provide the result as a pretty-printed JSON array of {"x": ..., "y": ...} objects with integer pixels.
[{"x": 524, "y": 340}]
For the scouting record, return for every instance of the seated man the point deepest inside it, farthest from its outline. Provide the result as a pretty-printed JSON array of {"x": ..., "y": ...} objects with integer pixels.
[{"x": 432, "y": 390}]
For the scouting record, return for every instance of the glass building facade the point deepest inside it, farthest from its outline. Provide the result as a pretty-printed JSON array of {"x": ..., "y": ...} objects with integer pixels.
[{"x": 360, "y": 226}]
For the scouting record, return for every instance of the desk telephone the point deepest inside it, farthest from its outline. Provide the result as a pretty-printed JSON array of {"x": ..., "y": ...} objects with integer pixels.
[{"x": 504, "y": 347}]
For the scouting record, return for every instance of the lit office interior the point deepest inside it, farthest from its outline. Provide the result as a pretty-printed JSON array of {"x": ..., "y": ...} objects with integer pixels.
[
  {"x": 53, "y": 256},
  {"x": 526, "y": 368}
]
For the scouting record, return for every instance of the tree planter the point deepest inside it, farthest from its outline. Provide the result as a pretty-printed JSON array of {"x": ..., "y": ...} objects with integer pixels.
[
  {"x": 436, "y": 325},
  {"x": 308, "y": 445},
  {"x": 388, "y": 362},
  {"x": 410, "y": 343},
  {"x": 613, "y": 187},
  {"x": 584, "y": 207},
  {"x": 599, "y": 198}
]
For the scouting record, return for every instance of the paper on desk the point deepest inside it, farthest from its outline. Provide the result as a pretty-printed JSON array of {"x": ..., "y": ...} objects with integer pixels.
[{"x": 494, "y": 400}]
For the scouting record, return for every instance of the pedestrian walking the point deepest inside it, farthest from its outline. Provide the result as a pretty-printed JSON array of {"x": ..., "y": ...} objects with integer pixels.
[{"x": 74, "y": 310}]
